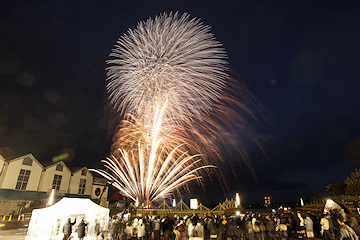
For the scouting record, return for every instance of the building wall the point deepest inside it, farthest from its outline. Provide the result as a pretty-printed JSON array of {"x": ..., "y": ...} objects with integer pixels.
[
  {"x": 75, "y": 180},
  {"x": 48, "y": 177},
  {"x": 97, "y": 188},
  {"x": 40, "y": 183},
  {"x": 2, "y": 163},
  {"x": 100, "y": 184},
  {"x": 12, "y": 173},
  {"x": 13, "y": 206},
  {"x": 3, "y": 170},
  {"x": 101, "y": 188}
]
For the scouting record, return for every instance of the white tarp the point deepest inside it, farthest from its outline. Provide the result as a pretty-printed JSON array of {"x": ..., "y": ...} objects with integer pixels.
[
  {"x": 331, "y": 205},
  {"x": 47, "y": 223}
]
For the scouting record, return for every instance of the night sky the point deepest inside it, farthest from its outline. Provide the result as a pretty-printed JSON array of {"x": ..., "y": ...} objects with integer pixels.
[{"x": 300, "y": 59}]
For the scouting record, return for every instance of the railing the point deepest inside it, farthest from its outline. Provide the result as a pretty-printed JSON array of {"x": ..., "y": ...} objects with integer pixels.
[
  {"x": 57, "y": 192},
  {"x": 167, "y": 212}
]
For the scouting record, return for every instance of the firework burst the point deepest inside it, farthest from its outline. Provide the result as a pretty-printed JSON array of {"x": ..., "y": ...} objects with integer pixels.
[
  {"x": 171, "y": 171},
  {"x": 164, "y": 77},
  {"x": 222, "y": 135},
  {"x": 172, "y": 60}
]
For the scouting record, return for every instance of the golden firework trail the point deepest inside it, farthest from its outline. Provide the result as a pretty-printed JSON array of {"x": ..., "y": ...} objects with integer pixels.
[{"x": 129, "y": 173}]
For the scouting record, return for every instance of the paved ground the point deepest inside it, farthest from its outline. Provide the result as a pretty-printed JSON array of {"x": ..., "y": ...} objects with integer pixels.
[
  {"x": 13, "y": 230},
  {"x": 13, "y": 234}
]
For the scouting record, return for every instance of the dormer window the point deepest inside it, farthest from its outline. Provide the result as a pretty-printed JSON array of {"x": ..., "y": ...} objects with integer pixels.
[
  {"x": 83, "y": 172},
  {"x": 27, "y": 161},
  {"x": 59, "y": 167}
]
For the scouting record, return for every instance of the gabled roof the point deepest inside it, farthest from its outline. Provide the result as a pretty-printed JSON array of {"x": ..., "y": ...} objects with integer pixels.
[
  {"x": 46, "y": 164},
  {"x": 117, "y": 196},
  {"x": 78, "y": 169},
  {"x": 75, "y": 169},
  {"x": 61, "y": 162},
  {"x": 28, "y": 155}
]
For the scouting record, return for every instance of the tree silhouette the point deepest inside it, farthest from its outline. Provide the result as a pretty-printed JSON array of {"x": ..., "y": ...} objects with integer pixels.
[
  {"x": 336, "y": 189},
  {"x": 353, "y": 184}
]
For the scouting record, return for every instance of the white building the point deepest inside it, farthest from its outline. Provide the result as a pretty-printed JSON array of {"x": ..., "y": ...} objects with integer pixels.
[
  {"x": 81, "y": 182},
  {"x": 99, "y": 191},
  {"x": 24, "y": 180},
  {"x": 55, "y": 176},
  {"x": 20, "y": 177}
]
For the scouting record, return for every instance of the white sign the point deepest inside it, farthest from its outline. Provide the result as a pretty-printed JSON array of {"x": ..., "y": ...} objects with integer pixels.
[{"x": 193, "y": 203}]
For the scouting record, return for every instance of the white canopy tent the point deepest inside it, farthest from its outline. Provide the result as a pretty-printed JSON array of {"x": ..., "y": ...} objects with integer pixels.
[
  {"x": 47, "y": 223},
  {"x": 331, "y": 205}
]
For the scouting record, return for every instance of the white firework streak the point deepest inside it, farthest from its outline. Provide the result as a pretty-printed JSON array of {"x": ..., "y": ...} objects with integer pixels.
[
  {"x": 129, "y": 178},
  {"x": 170, "y": 59},
  {"x": 167, "y": 71}
]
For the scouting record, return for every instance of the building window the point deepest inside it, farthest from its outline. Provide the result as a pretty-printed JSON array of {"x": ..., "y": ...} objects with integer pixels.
[
  {"x": 59, "y": 167},
  {"x": 83, "y": 172},
  {"x": 82, "y": 186},
  {"x": 22, "y": 179},
  {"x": 27, "y": 161},
  {"x": 56, "y": 182}
]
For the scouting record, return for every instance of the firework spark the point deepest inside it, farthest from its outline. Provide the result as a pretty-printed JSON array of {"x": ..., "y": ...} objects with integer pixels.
[
  {"x": 170, "y": 59},
  {"x": 164, "y": 74},
  {"x": 164, "y": 78},
  {"x": 129, "y": 172},
  {"x": 222, "y": 135}
]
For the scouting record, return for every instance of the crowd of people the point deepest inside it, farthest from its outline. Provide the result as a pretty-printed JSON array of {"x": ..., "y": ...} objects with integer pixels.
[{"x": 252, "y": 226}]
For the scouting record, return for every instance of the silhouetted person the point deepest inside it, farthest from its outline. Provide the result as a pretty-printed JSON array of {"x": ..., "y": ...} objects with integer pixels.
[{"x": 67, "y": 229}]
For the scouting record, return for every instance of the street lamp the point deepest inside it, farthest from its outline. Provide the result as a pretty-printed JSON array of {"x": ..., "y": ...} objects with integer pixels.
[
  {"x": 237, "y": 200},
  {"x": 51, "y": 198}
]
